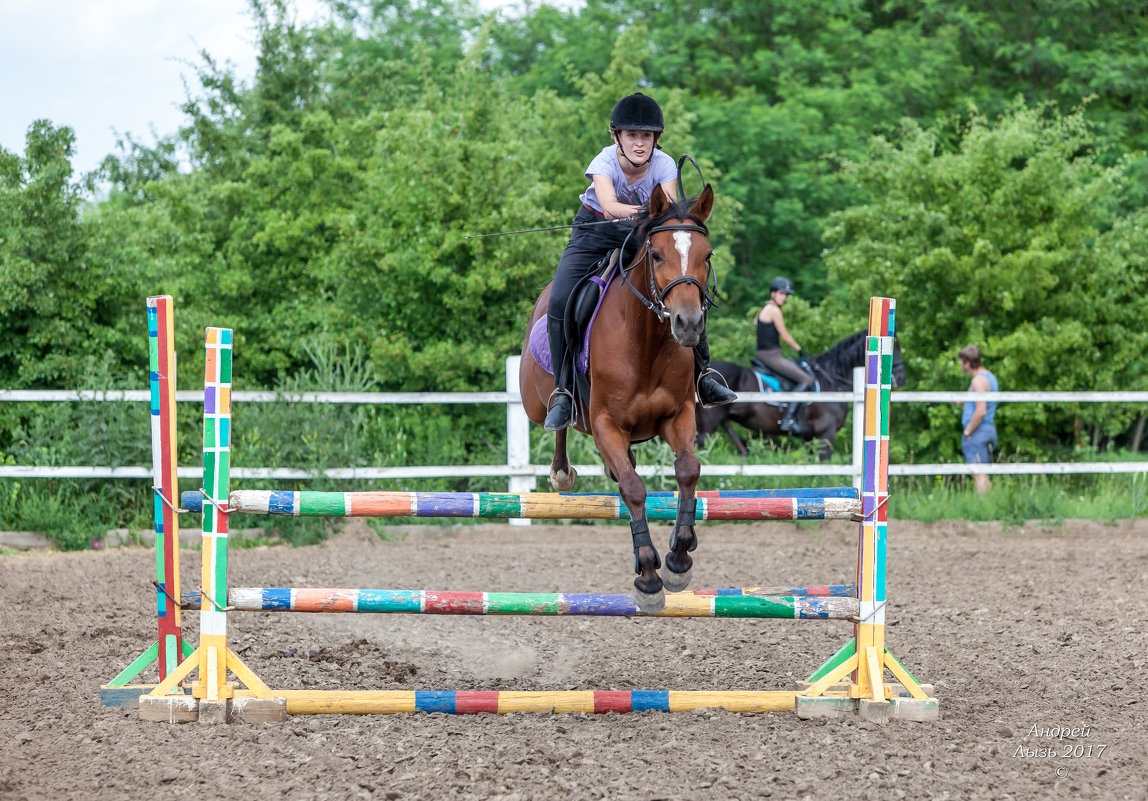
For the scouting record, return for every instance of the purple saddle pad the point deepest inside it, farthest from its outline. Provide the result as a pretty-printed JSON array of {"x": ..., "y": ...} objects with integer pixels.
[{"x": 540, "y": 341}]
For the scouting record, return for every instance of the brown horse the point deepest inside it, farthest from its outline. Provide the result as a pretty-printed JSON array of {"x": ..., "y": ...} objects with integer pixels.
[{"x": 642, "y": 379}]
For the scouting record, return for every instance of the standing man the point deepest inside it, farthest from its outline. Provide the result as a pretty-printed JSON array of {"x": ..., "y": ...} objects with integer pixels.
[{"x": 978, "y": 434}]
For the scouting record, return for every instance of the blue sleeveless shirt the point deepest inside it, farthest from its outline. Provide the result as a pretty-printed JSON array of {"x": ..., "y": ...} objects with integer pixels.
[{"x": 990, "y": 406}]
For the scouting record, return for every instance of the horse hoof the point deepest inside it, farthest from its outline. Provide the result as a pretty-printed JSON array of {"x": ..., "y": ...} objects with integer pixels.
[
  {"x": 563, "y": 480},
  {"x": 649, "y": 603},
  {"x": 676, "y": 582}
]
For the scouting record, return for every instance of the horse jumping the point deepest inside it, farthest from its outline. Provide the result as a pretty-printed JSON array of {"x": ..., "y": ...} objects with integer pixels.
[
  {"x": 641, "y": 379},
  {"x": 833, "y": 370}
]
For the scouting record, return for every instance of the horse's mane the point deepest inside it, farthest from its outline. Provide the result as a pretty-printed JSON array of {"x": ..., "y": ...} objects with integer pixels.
[
  {"x": 847, "y": 352},
  {"x": 677, "y": 210},
  {"x": 837, "y": 362},
  {"x": 841, "y": 356}
]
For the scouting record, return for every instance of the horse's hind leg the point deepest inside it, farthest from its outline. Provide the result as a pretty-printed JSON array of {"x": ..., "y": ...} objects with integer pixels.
[
  {"x": 562, "y": 473},
  {"x": 679, "y": 565},
  {"x": 614, "y": 446},
  {"x": 737, "y": 443}
]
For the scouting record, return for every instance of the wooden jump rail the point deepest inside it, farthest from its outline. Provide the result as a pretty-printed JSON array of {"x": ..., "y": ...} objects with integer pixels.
[
  {"x": 545, "y": 604},
  {"x": 533, "y": 505},
  {"x": 851, "y": 681}
]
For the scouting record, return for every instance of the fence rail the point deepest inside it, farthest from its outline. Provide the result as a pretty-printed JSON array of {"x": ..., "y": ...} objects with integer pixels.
[{"x": 522, "y": 474}]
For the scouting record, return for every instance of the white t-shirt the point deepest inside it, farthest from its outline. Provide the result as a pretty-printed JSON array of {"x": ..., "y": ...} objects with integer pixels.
[{"x": 662, "y": 170}]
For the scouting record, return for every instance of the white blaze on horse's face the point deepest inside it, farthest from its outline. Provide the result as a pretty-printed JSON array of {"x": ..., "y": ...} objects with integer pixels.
[{"x": 682, "y": 241}]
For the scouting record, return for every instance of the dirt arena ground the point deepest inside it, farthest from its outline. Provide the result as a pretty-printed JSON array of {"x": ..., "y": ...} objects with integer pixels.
[{"x": 1019, "y": 630}]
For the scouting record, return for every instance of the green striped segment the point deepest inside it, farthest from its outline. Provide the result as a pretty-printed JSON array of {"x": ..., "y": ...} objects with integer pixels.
[
  {"x": 522, "y": 603},
  {"x": 322, "y": 503}
]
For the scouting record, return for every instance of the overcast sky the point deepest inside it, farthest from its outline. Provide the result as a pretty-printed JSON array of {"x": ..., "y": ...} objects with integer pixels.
[{"x": 102, "y": 66}]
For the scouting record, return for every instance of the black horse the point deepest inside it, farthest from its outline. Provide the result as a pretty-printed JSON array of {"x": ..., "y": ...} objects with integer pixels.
[{"x": 833, "y": 370}]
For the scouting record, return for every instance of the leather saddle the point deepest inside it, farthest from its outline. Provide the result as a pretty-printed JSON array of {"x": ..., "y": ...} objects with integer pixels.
[
  {"x": 779, "y": 383},
  {"x": 586, "y": 298}
]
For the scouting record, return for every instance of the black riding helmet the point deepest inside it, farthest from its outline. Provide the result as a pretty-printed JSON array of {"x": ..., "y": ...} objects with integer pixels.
[
  {"x": 782, "y": 285},
  {"x": 637, "y": 112}
]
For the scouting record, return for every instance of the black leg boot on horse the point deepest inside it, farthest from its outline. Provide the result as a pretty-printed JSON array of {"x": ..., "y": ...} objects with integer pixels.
[
  {"x": 561, "y": 404},
  {"x": 711, "y": 386},
  {"x": 679, "y": 566},
  {"x": 649, "y": 596}
]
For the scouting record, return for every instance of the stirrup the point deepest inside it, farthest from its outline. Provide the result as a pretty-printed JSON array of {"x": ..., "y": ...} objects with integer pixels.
[
  {"x": 720, "y": 379},
  {"x": 554, "y": 395},
  {"x": 552, "y": 401}
]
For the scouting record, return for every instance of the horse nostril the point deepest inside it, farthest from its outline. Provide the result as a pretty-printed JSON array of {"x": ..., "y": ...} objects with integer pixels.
[{"x": 687, "y": 328}]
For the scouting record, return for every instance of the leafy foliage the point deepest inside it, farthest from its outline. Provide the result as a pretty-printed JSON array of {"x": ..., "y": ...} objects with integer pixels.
[{"x": 982, "y": 162}]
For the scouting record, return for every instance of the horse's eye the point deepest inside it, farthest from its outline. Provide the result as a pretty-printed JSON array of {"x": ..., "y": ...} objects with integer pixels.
[{"x": 656, "y": 256}]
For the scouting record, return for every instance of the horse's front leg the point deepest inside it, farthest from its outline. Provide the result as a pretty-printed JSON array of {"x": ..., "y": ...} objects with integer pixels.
[
  {"x": 614, "y": 447},
  {"x": 679, "y": 434}
]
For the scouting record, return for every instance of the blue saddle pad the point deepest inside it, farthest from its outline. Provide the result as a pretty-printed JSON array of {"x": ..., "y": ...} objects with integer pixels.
[{"x": 768, "y": 380}]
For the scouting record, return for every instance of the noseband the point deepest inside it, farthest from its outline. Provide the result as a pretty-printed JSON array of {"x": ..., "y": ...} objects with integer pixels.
[{"x": 657, "y": 305}]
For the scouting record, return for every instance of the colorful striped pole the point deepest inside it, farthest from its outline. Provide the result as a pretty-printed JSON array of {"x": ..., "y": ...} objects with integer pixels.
[
  {"x": 431, "y": 602},
  {"x": 834, "y": 590},
  {"x": 169, "y": 648},
  {"x": 388, "y": 702},
  {"x": 192, "y": 500},
  {"x": 165, "y": 494},
  {"x": 534, "y": 505},
  {"x": 812, "y": 590},
  {"x": 870, "y": 631},
  {"x": 212, "y": 684},
  {"x": 865, "y": 657}
]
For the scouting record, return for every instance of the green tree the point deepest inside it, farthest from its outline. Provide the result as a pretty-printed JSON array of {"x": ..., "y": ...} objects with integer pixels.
[
  {"x": 59, "y": 307},
  {"x": 1015, "y": 240}
]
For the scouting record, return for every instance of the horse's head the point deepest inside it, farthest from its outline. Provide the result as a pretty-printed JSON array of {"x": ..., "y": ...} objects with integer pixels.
[{"x": 678, "y": 262}]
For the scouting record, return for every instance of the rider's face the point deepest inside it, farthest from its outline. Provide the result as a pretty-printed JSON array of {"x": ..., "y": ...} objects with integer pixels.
[
  {"x": 637, "y": 145},
  {"x": 779, "y": 297}
]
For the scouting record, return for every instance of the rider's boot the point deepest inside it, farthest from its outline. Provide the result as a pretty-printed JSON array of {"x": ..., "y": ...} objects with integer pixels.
[
  {"x": 789, "y": 421},
  {"x": 561, "y": 402},
  {"x": 711, "y": 385}
]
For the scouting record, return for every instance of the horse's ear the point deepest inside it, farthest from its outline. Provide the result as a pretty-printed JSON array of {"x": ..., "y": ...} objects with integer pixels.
[
  {"x": 704, "y": 205},
  {"x": 659, "y": 203}
]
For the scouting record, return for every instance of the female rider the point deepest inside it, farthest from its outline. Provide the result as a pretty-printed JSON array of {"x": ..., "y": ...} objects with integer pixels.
[
  {"x": 771, "y": 331},
  {"x": 621, "y": 177}
]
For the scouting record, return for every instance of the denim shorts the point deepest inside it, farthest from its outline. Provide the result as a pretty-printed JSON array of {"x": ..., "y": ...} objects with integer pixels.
[{"x": 976, "y": 447}]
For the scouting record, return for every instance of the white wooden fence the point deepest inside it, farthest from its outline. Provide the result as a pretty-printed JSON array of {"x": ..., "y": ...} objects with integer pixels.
[{"x": 523, "y": 475}]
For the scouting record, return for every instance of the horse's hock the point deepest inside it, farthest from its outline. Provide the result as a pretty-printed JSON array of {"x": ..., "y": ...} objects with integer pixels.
[{"x": 852, "y": 681}]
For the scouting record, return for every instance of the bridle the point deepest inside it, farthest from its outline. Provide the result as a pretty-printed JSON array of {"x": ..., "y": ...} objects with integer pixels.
[
  {"x": 657, "y": 297},
  {"x": 708, "y": 290}
]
